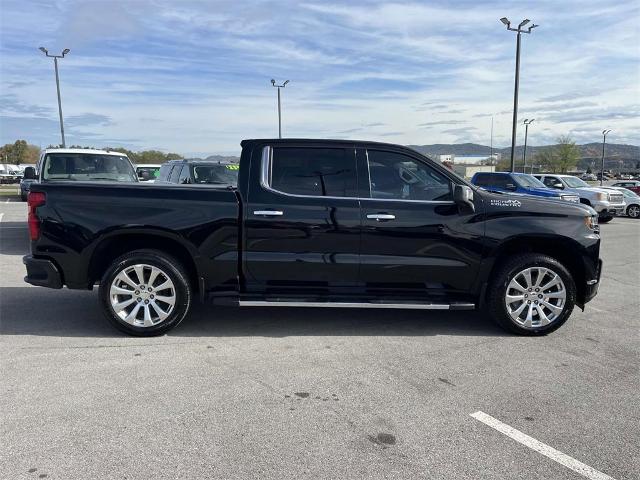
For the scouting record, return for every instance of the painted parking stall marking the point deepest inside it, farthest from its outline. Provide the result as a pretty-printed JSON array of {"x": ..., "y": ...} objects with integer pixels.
[{"x": 543, "y": 448}]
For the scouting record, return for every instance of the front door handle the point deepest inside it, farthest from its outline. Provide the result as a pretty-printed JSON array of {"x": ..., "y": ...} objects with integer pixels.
[
  {"x": 268, "y": 213},
  {"x": 381, "y": 217}
]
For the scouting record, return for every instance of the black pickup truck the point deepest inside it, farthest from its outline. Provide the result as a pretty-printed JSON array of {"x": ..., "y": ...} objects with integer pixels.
[{"x": 316, "y": 223}]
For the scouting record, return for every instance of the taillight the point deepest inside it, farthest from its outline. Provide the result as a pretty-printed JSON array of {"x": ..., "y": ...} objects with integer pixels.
[{"x": 34, "y": 200}]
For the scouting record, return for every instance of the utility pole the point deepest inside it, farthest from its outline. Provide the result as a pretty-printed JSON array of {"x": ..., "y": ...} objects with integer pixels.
[
  {"x": 491, "y": 147},
  {"x": 604, "y": 140},
  {"x": 526, "y": 122},
  {"x": 273, "y": 83},
  {"x": 519, "y": 31},
  {"x": 55, "y": 64}
]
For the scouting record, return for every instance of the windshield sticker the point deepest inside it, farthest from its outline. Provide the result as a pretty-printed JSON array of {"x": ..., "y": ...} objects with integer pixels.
[
  {"x": 506, "y": 203},
  {"x": 233, "y": 167}
]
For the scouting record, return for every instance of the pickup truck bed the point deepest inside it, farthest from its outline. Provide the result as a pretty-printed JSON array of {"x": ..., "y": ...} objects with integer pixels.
[{"x": 85, "y": 224}]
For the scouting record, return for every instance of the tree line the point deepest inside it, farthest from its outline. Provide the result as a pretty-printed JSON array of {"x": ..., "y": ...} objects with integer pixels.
[
  {"x": 20, "y": 152},
  {"x": 560, "y": 158}
]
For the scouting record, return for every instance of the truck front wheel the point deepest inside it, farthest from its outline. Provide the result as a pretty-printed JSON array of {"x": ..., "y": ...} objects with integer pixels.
[
  {"x": 145, "y": 293},
  {"x": 531, "y": 294}
]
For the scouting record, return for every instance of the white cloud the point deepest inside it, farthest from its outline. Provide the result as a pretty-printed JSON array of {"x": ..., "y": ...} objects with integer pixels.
[{"x": 201, "y": 73}]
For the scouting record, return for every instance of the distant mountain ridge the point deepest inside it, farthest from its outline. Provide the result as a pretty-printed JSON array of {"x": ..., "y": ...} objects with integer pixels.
[{"x": 589, "y": 152}]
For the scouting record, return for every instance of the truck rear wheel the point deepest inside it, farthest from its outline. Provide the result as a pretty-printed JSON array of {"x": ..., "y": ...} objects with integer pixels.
[
  {"x": 145, "y": 293},
  {"x": 531, "y": 294}
]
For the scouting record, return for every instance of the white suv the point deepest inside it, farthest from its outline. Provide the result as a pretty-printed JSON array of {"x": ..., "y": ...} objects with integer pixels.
[{"x": 606, "y": 202}]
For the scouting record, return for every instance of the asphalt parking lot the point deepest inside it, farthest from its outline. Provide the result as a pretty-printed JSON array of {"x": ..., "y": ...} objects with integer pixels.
[{"x": 302, "y": 393}]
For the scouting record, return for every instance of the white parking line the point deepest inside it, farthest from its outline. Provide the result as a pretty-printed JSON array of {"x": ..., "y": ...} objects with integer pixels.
[{"x": 544, "y": 449}]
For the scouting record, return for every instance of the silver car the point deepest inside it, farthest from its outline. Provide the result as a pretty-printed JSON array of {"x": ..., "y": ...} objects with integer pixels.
[{"x": 631, "y": 201}]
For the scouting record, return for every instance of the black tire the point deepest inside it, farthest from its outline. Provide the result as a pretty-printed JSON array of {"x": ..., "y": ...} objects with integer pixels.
[
  {"x": 633, "y": 211},
  {"x": 605, "y": 219},
  {"x": 171, "y": 269},
  {"x": 496, "y": 302}
]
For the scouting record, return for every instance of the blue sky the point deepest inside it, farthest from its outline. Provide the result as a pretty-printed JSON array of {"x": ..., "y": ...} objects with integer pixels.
[{"x": 194, "y": 77}]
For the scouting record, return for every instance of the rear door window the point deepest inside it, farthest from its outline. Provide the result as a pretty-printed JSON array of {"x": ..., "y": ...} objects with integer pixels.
[{"x": 319, "y": 172}]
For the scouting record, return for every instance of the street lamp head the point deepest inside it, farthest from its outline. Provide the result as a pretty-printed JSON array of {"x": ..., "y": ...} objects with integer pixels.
[
  {"x": 285, "y": 82},
  {"x": 525, "y": 120},
  {"x": 273, "y": 82},
  {"x": 531, "y": 121},
  {"x": 506, "y": 21},
  {"x": 532, "y": 27},
  {"x": 65, "y": 51},
  {"x": 523, "y": 23},
  {"x": 43, "y": 50}
]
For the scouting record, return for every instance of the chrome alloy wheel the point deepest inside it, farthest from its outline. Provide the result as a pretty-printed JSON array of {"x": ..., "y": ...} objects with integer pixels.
[
  {"x": 535, "y": 297},
  {"x": 633, "y": 211},
  {"x": 142, "y": 295}
]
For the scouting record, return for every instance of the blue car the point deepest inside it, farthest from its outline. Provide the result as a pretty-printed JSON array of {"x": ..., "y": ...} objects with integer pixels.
[{"x": 511, "y": 182}]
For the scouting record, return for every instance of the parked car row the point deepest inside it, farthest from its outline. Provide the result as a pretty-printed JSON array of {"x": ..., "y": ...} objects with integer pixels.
[
  {"x": 98, "y": 165},
  {"x": 74, "y": 164},
  {"x": 606, "y": 201}
]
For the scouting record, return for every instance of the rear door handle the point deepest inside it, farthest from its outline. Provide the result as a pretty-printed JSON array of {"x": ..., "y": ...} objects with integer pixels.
[
  {"x": 268, "y": 213},
  {"x": 380, "y": 217}
]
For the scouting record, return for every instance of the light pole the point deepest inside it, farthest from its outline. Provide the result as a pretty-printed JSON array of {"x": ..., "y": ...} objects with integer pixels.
[
  {"x": 604, "y": 140},
  {"x": 273, "y": 83},
  {"x": 526, "y": 122},
  {"x": 55, "y": 63},
  {"x": 519, "y": 30}
]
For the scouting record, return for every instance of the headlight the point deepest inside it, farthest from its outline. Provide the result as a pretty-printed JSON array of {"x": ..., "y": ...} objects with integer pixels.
[
  {"x": 602, "y": 196},
  {"x": 591, "y": 221}
]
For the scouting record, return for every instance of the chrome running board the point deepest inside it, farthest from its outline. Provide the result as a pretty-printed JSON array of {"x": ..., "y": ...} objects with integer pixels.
[{"x": 407, "y": 306}]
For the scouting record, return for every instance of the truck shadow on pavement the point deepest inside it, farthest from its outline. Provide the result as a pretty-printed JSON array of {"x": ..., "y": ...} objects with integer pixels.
[
  {"x": 14, "y": 238},
  {"x": 68, "y": 313}
]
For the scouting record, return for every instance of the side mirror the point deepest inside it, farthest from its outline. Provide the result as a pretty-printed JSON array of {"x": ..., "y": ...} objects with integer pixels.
[
  {"x": 29, "y": 173},
  {"x": 463, "y": 197},
  {"x": 511, "y": 186}
]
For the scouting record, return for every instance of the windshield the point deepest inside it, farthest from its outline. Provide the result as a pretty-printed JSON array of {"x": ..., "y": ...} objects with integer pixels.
[
  {"x": 147, "y": 173},
  {"x": 216, "y": 174},
  {"x": 88, "y": 167},
  {"x": 575, "y": 182},
  {"x": 628, "y": 193},
  {"x": 528, "y": 181}
]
